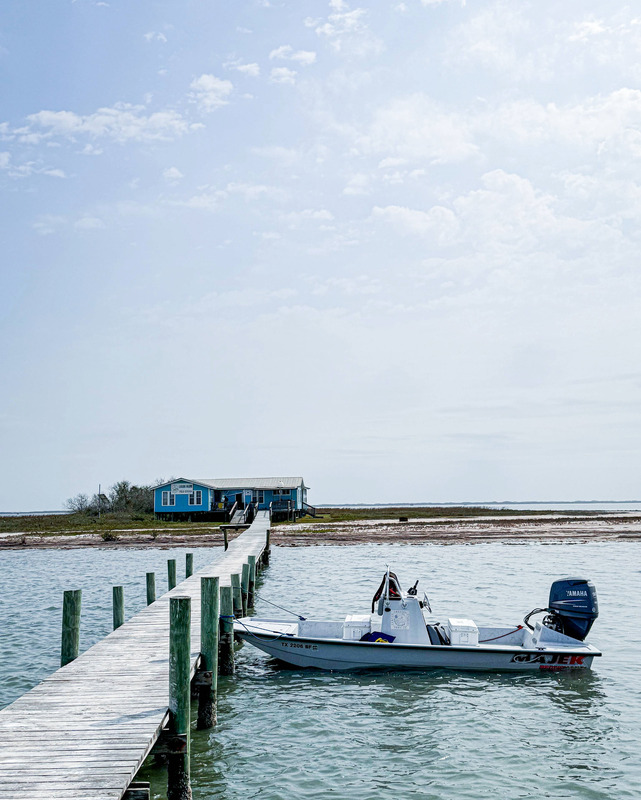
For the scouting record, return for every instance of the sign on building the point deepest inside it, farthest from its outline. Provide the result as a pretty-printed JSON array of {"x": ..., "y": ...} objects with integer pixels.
[{"x": 182, "y": 488}]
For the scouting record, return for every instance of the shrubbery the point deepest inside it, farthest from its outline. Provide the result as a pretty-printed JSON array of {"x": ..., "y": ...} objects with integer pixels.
[{"x": 122, "y": 497}]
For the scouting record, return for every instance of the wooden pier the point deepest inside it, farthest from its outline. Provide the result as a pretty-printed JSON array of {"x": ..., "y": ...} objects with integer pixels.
[{"x": 84, "y": 732}]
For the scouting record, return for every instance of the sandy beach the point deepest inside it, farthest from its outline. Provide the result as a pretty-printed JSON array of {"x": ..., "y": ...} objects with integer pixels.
[{"x": 510, "y": 529}]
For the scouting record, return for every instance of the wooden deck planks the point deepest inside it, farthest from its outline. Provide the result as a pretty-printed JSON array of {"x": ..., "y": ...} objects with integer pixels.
[{"x": 84, "y": 732}]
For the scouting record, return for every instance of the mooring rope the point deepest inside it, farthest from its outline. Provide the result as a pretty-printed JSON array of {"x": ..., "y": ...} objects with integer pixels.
[
  {"x": 250, "y": 633},
  {"x": 289, "y": 611}
]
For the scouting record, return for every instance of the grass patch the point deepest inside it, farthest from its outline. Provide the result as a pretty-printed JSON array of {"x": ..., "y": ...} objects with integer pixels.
[
  {"x": 330, "y": 515},
  {"x": 82, "y": 523}
]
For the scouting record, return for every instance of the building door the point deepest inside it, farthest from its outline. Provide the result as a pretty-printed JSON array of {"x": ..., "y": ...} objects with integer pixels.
[{"x": 239, "y": 500}]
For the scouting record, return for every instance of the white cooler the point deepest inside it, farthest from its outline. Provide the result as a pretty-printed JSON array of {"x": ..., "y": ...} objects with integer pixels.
[
  {"x": 356, "y": 626},
  {"x": 462, "y": 631}
]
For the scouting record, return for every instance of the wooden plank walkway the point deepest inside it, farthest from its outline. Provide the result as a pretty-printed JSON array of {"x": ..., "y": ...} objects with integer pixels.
[{"x": 84, "y": 732}]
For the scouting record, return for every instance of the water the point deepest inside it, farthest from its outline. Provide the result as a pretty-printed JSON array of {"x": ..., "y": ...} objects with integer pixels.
[{"x": 287, "y": 733}]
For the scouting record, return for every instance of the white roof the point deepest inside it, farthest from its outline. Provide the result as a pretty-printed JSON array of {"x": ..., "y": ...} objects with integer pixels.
[{"x": 252, "y": 483}]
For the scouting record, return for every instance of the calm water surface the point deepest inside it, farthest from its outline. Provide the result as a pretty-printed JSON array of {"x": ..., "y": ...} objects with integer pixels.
[{"x": 288, "y": 733}]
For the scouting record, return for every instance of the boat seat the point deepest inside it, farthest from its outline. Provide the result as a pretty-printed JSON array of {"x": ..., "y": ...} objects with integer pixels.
[{"x": 437, "y": 634}]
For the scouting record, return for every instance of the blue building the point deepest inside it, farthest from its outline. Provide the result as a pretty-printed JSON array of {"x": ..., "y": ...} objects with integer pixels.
[{"x": 224, "y": 498}]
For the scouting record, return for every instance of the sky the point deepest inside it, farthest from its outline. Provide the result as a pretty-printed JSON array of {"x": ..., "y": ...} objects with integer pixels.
[{"x": 392, "y": 247}]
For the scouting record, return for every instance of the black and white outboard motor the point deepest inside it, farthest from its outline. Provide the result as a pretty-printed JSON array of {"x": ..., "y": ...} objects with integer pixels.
[{"x": 572, "y": 609}]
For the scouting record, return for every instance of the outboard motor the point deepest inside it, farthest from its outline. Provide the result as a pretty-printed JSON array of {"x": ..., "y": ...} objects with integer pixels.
[{"x": 573, "y": 605}]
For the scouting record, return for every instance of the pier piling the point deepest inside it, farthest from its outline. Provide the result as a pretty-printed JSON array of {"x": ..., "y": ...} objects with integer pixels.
[
  {"x": 71, "y": 602},
  {"x": 178, "y": 785},
  {"x": 189, "y": 565},
  {"x": 171, "y": 574},
  {"x": 244, "y": 587},
  {"x": 225, "y": 538},
  {"x": 208, "y": 673},
  {"x": 266, "y": 551},
  {"x": 238, "y": 595},
  {"x": 151, "y": 588},
  {"x": 226, "y": 639},
  {"x": 118, "y": 606},
  {"x": 251, "y": 587}
]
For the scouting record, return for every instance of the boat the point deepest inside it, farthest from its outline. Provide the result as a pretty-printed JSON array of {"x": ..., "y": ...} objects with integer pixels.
[{"x": 402, "y": 633}]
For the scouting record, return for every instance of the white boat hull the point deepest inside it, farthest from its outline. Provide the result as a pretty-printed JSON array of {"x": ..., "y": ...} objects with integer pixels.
[{"x": 279, "y": 641}]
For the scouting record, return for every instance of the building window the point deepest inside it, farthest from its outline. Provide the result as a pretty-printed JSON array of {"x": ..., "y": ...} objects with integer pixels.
[
  {"x": 168, "y": 499},
  {"x": 284, "y": 492},
  {"x": 196, "y": 498},
  {"x": 258, "y": 496}
]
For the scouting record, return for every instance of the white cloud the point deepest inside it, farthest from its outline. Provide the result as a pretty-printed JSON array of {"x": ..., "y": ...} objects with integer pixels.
[
  {"x": 5, "y": 159},
  {"x": 210, "y": 92},
  {"x": 122, "y": 122},
  {"x": 294, "y": 218},
  {"x": 253, "y": 70},
  {"x": 172, "y": 174},
  {"x": 255, "y": 191},
  {"x": 358, "y": 184},
  {"x": 287, "y": 155},
  {"x": 155, "y": 36},
  {"x": 438, "y": 224},
  {"x": 205, "y": 201},
  {"x": 347, "y": 31},
  {"x": 283, "y": 75},
  {"x": 54, "y": 172},
  {"x": 89, "y": 224},
  {"x": 287, "y": 53},
  {"x": 415, "y": 127},
  {"x": 48, "y": 224}
]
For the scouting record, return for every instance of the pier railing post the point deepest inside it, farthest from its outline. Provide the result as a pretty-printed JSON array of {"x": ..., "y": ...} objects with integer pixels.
[
  {"x": 71, "y": 602},
  {"x": 225, "y": 538},
  {"x": 226, "y": 640},
  {"x": 244, "y": 587},
  {"x": 238, "y": 595},
  {"x": 189, "y": 565},
  {"x": 118, "y": 606},
  {"x": 252, "y": 581},
  {"x": 209, "y": 626},
  {"x": 171, "y": 574},
  {"x": 178, "y": 785},
  {"x": 151, "y": 588}
]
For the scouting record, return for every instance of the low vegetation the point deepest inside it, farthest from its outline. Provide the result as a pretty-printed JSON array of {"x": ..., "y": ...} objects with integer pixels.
[{"x": 331, "y": 515}]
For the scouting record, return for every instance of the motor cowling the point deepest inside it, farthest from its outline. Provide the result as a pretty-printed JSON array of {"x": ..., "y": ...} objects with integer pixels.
[{"x": 574, "y": 604}]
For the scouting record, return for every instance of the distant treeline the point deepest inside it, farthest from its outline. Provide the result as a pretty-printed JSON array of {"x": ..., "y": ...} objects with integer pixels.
[{"x": 122, "y": 497}]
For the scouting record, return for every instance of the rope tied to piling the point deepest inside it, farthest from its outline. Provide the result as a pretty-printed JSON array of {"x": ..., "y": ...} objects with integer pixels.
[
  {"x": 282, "y": 608},
  {"x": 256, "y": 627}
]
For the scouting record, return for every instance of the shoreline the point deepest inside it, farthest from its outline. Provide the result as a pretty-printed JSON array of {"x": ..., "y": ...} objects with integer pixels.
[{"x": 560, "y": 528}]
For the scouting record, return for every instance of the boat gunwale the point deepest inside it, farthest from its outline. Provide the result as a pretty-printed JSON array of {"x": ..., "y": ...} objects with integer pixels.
[{"x": 591, "y": 650}]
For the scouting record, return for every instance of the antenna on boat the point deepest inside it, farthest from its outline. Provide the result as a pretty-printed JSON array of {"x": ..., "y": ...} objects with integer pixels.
[{"x": 387, "y": 581}]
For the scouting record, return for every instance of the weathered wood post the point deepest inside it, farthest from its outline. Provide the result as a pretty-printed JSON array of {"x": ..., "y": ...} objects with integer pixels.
[
  {"x": 171, "y": 574},
  {"x": 225, "y": 538},
  {"x": 226, "y": 639},
  {"x": 267, "y": 551},
  {"x": 71, "y": 602},
  {"x": 208, "y": 673},
  {"x": 189, "y": 565},
  {"x": 244, "y": 586},
  {"x": 238, "y": 595},
  {"x": 251, "y": 587},
  {"x": 151, "y": 588},
  {"x": 178, "y": 786},
  {"x": 118, "y": 606}
]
